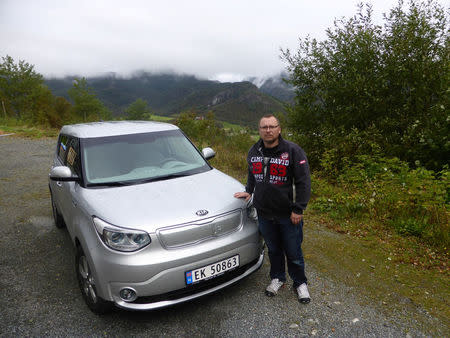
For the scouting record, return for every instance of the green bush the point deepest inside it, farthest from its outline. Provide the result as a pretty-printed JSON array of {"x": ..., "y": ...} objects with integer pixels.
[
  {"x": 410, "y": 201},
  {"x": 391, "y": 78}
]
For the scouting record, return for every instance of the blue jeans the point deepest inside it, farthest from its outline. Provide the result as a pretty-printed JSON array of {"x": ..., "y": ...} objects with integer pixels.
[{"x": 284, "y": 239}]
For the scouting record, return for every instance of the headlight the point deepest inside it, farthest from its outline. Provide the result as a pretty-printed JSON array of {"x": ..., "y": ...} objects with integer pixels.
[
  {"x": 251, "y": 210},
  {"x": 251, "y": 213},
  {"x": 119, "y": 238}
]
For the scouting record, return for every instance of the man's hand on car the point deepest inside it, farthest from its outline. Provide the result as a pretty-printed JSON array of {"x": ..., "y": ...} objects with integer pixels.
[{"x": 243, "y": 194}]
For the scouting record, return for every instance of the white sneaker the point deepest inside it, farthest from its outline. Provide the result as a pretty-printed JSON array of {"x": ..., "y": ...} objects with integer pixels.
[
  {"x": 303, "y": 294},
  {"x": 273, "y": 287}
]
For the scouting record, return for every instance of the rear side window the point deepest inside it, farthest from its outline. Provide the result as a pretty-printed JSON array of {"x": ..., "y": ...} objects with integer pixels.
[
  {"x": 62, "y": 147},
  {"x": 73, "y": 156}
]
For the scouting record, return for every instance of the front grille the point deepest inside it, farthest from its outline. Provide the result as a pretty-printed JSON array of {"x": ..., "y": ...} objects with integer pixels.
[
  {"x": 173, "y": 237},
  {"x": 196, "y": 288}
]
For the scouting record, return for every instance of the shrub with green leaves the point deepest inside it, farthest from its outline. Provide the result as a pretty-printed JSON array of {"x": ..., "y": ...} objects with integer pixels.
[
  {"x": 388, "y": 80},
  {"x": 411, "y": 201}
]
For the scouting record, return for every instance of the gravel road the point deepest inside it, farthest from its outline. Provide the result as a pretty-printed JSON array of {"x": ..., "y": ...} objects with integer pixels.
[{"x": 39, "y": 295}]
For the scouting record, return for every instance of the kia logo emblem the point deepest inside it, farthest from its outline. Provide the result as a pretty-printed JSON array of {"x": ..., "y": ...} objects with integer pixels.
[{"x": 201, "y": 212}]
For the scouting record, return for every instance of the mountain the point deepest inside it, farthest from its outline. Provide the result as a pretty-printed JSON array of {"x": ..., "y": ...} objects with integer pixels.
[
  {"x": 275, "y": 86},
  {"x": 168, "y": 94}
]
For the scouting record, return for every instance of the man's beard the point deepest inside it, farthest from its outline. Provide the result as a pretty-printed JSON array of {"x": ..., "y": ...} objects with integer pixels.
[{"x": 271, "y": 141}]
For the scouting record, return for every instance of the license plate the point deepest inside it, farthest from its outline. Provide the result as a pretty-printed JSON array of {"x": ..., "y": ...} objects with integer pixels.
[{"x": 211, "y": 270}]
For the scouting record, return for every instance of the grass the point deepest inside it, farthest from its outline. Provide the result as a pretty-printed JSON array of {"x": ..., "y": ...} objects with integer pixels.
[
  {"x": 27, "y": 131},
  {"x": 376, "y": 269},
  {"x": 159, "y": 118},
  {"x": 234, "y": 128}
]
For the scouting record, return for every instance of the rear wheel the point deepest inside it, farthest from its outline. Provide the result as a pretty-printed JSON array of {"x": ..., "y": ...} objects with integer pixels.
[
  {"x": 57, "y": 217},
  {"x": 86, "y": 282}
]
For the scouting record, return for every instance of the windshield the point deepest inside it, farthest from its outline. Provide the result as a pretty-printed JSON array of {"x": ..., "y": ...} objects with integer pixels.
[{"x": 138, "y": 158}]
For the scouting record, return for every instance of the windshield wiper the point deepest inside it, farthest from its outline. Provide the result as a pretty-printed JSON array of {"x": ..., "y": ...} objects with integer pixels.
[
  {"x": 133, "y": 182},
  {"x": 161, "y": 178},
  {"x": 110, "y": 184}
]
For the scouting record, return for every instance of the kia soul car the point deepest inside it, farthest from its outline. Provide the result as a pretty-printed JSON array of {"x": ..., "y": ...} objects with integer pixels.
[{"x": 152, "y": 222}]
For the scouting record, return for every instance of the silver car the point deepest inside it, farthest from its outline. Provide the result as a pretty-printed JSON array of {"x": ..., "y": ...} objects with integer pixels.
[{"x": 152, "y": 222}]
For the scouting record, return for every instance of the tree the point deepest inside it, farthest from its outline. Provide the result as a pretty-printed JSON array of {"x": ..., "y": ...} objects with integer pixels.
[
  {"x": 138, "y": 110},
  {"x": 24, "y": 96},
  {"x": 86, "y": 105},
  {"x": 19, "y": 86},
  {"x": 59, "y": 114},
  {"x": 63, "y": 110},
  {"x": 417, "y": 63},
  {"x": 42, "y": 107},
  {"x": 389, "y": 82}
]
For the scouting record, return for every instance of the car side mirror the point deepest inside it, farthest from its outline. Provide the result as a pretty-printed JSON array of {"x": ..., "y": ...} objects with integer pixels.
[
  {"x": 208, "y": 153},
  {"x": 62, "y": 173}
]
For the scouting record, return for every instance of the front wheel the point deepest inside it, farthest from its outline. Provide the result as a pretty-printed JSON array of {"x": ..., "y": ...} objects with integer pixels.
[{"x": 86, "y": 282}]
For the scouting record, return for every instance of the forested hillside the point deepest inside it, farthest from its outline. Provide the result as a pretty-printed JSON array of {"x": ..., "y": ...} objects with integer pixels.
[
  {"x": 276, "y": 86},
  {"x": 169, "y": 94}
]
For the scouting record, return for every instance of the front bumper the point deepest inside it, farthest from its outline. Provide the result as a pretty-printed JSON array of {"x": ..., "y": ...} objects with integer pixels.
[{"x": 188, "y": 293}]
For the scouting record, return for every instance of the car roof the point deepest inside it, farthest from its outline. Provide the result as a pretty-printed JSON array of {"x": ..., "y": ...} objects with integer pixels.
[{"x": 114, "y": 128}]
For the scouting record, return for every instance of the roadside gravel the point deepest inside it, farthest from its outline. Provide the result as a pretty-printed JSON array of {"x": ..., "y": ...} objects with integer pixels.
[{"x": 39, "y": 295}]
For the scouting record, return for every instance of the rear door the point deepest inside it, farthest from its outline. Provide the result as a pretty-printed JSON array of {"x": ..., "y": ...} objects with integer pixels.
[
  {"x": 65, "y": 193},
  {"x": 59, "y": 159}
]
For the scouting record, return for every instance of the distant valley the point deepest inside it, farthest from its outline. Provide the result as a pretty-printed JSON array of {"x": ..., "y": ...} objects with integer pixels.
[{"x": 170, "y": 94}]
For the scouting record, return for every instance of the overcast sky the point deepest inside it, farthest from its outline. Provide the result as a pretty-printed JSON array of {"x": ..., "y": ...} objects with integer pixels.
[{"x": 227, "y": 40}]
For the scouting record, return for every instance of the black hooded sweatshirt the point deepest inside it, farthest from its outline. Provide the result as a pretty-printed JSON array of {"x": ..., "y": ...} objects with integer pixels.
[{"x": 272, "y": 174}]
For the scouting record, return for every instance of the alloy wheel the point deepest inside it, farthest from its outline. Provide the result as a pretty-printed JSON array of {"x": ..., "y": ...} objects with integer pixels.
[{"x": 88, "y": 282}]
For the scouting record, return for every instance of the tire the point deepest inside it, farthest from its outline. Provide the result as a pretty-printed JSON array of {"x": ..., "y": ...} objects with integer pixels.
[
  {"x": 86, "y": 283},
  {"x": 57, "y": 217}
]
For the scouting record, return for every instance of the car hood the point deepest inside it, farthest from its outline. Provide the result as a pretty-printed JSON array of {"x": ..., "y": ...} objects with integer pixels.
[{"x": 158, "y": 204}]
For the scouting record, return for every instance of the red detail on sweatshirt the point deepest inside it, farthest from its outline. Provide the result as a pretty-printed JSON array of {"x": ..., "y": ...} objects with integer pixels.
[{"x": 257, "y": 168}]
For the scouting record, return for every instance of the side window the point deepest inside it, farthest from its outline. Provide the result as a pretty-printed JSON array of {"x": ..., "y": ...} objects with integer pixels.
[
  {"x": 73, "y": 156},
  {"x": 62, "y": 147}
]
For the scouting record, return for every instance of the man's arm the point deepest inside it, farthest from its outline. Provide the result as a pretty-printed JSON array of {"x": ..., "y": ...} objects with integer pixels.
[
  {"x": 302, "y": 181},
  {"x": 249, "y": 187}
]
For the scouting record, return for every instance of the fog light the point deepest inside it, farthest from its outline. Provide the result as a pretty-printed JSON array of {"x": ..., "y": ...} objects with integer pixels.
[{"x": 128, "y": 295}]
